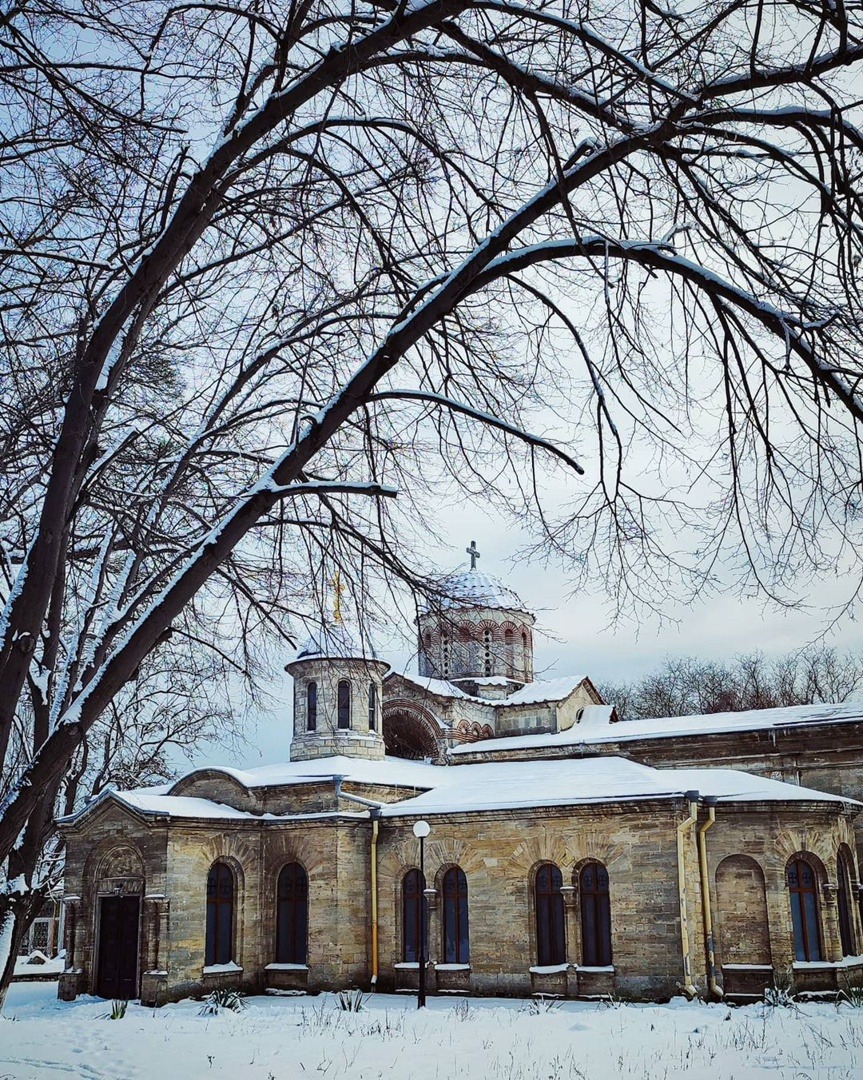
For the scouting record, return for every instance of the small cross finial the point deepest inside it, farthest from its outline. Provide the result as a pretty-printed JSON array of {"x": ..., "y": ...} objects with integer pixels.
[
  {"x": 338, "y": 589},
  {"x": 473, "y": 551}
]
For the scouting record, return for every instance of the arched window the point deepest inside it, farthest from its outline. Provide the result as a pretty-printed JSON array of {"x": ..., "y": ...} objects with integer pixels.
[
  {"x": 373, "y": 707},
  {"x": 219, "y": 946},
  {"x": 846, "y": 922},
  {"x": 344, "y": 704},
  {"x": 508, "y": 651},
  {"x": 414, "y": 916},
  {"x": 292, "y": 915},
  {"x": 445, "y": 657},
  {"x": 312, "y": 706},
  {"x": 595, "y": 915},
  {"x": 486, "y": 651},
  {"x": 550, "y": 932},
  {"x": 805, "y": 916},
  {"x": 456, "y": 939}
]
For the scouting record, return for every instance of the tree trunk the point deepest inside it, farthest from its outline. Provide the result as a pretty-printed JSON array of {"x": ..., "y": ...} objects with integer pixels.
[{"x": 17, "y": 912}]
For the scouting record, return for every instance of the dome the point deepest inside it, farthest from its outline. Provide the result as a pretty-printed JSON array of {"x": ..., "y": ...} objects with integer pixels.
[
  {"x": 337, "y": 641},
  {"x": 473, "y": 588}
]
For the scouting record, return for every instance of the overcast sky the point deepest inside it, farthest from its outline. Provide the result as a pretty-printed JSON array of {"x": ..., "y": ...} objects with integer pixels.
[{"x": 575, "y": 634}]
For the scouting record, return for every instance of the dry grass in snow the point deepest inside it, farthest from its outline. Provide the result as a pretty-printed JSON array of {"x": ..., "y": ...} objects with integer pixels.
[{"x": 480, "y": 1039}]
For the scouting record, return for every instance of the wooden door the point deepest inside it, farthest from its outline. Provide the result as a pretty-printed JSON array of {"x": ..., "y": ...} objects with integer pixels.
[{"x": 117, "y": 974}]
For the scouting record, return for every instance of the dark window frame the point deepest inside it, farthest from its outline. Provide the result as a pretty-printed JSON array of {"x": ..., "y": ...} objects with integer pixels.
[
  {"x": 373, "y": 707},
  {"x": 843, "y": 904},
  {"x": 312, "y": 705},
  {"x": 344, "y": 704},
  {"x": 221, "y": 893},
  {"x": 802, "y": 879},
  {"x": 292, "y": 914},
  {"x": 549, "y": 918},
  {"x": 594, "y": 902},
  {"x": 456, "y": 925},
  {"x": 414, "y": 916}
]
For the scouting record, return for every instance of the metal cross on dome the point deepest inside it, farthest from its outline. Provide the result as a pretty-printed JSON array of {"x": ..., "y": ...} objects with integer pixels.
[{"x": 473, "y": 551}]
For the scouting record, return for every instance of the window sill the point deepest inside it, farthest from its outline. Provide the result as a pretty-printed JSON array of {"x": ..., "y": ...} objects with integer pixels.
[
  {"x": 747, "y": 967},
  {"x": 223, "y": 969},
  {"x": 604, "y": 969},
  {"x": 826, "y": 965},
  {"x": 452, "y": 967},
  {"x": 410, "y": 965},
  {"x": 550, "y": 969},
  {"x": 286, "y": 967}
]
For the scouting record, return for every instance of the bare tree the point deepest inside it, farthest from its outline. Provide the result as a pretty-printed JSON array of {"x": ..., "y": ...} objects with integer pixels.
[
  {"x": 687, "y": 686},
  {"x": 265, "y": 264}
]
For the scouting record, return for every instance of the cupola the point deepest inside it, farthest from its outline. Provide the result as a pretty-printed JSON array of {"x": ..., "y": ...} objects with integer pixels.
[{"x": 477, "y": 633}]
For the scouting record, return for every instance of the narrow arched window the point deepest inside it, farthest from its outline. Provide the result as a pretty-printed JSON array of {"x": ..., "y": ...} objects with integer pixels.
[
  {"x": 344, "y": 704},
  {"x": 843, "y": 905},
  {"x": 219, "y": 946},
  {"x": 445, "y": 655},
  {"x": 414, "y": 916},
  {"x": 550, "y": 932},
  {"x": 373, "y": 707},
  {"x": 312, "y": 706},
  {"x": 292, "y": 915},
  {"x": 456, "y": 939},
  {"x": 805, "y": 915},
  {"x": 595, "y": 915},
  {"x": 508, "y": 651},
  {"x": 486, "y": 651}
]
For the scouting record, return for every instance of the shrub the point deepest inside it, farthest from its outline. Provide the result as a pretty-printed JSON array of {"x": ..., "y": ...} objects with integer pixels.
[{"x": 222, "y": 999}]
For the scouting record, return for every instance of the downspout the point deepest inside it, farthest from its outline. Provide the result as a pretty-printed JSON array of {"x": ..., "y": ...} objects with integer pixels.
[
  {"x": 683, "y": 831},
  {"x": 713, "y": 986},
  {"x": 375, "y": 816},
  {"x": 373, "y": 855}
]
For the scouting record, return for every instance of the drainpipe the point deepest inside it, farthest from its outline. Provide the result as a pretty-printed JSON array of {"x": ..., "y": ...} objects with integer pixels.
[
  {"x": 683, "y": 830},
  {"x": 715, "y": 990},
  {"x": 375, "y": 816},
  {"x": 373, "y": 855}
]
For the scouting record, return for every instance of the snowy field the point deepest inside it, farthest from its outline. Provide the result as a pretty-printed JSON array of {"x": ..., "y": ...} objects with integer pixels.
[{"x": 287, "y": 1038}]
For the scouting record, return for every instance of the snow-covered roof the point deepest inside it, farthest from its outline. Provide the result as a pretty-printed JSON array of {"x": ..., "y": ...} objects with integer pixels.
[
  {"x": 473, "y": 588},
  {"x": 155, "y": 801},
  {"x": 337, "y": 641},
  {"x": 389, "y": 772},
  {"x": 530, "y": 694},
  {"x": 485, "y": 786},
  {"x": 596, "y": 728},
  {"x": 572, "y": 782}
]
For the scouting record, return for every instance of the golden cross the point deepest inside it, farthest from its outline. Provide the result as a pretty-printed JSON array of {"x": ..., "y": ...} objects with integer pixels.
[{"x": 338, "y": 589}]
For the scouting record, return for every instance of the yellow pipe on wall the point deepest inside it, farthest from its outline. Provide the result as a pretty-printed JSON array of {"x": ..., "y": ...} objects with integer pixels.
[
  {"x": 374, "y": 861},
  {"x": 705, "y": 901},
  {"x": 683, "y": 830}
]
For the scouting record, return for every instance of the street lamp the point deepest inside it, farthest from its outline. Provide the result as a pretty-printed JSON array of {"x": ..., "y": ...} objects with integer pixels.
[{"x": 421, "y": 831}]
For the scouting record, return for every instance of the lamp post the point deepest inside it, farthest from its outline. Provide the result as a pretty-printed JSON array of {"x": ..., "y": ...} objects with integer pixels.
[{"x": 421, "y": 831}]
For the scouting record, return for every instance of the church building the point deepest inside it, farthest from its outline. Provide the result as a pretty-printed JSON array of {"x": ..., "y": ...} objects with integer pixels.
[{"x": 504, "y": 834}]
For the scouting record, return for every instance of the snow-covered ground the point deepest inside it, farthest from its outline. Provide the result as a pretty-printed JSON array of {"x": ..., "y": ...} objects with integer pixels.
[{"x": 480, "y": 1039}]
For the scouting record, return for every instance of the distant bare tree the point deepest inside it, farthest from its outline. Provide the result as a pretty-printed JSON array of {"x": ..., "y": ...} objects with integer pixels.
[
  {"x": 267, "y": 262},
  {"x": 687, "y": 686}
]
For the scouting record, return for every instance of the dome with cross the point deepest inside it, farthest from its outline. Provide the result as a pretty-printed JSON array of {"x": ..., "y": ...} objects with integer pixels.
[{"x": 476, "y": 632}]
